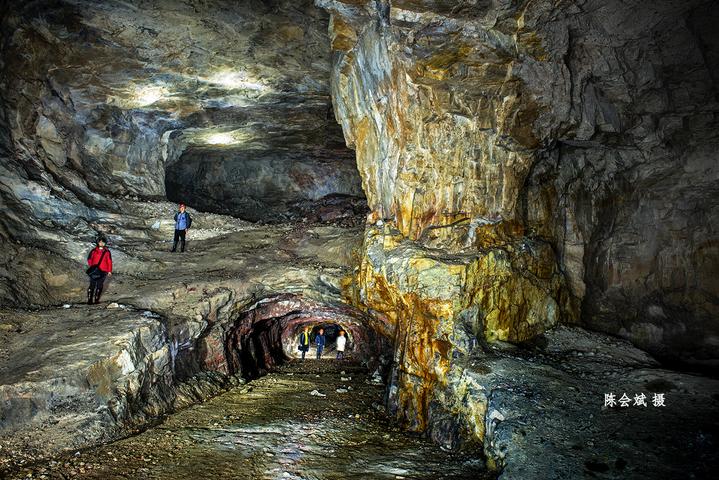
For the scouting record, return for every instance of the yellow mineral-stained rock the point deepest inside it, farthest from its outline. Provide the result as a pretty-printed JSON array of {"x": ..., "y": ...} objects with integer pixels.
[
  {"x": 431, "y": 152},
  {"x": 483, "y": 124},
  {"x": 443, "y": 162},
  {"x": 436, "y": 304}
]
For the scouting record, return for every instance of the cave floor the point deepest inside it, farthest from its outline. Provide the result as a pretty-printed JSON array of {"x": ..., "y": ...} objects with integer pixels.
[
  {"x": 273, "y": 427},
  {"x": 62, "y": 366},
  {"x": 553, "y": 419},
  {"x": 72, "y": 375}
]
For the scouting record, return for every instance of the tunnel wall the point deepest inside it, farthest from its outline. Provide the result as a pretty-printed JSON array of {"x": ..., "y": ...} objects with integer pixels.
[{"x": 134, "y": 365}]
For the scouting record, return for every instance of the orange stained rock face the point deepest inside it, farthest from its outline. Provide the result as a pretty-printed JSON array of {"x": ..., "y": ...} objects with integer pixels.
[
  {"x": 344, "y": 36},
  {"x": 441, "y": 65},
  {"x": 516, "y": 290},
  {"x": 445, "y": 137},
  {"x": 424, "y": 358},
  {"x": 532, "y": 44},
  {"x": 433, "y": 179},
  {"x": 433, "y": 149}
]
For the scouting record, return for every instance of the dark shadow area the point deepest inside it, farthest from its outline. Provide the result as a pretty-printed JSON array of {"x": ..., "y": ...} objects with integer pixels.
[
  {"x": 262, "y": 187},
  {"x": 261, "y": 349}
]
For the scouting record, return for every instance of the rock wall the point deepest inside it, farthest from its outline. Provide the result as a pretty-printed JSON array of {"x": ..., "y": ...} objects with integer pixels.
[
  {"x": 528, "y": 163},
  {"x": 102, "y": 377},
  {"x": 265, "y": 181},
  {"x": 98, "y": 100},
  {"x": 435, "y": 306}
]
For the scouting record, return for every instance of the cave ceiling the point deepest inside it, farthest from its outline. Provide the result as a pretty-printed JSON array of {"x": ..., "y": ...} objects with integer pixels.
[{"x": 210, "y": 75}]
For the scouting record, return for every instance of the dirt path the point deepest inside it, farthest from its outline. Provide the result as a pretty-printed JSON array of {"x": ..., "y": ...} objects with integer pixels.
[{"x": 274, "y": 428}]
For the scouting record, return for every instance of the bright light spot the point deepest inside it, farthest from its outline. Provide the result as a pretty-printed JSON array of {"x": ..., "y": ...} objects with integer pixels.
[
  {"x": 228, "y": 79},
  {"x": 220, "y": 139},
  {"x": 145, "y": 96},
  {"x": 231, "y": 79}
]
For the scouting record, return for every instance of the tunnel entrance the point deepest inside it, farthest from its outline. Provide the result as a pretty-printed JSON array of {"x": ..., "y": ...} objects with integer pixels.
[{"x": 266, "y": 335}]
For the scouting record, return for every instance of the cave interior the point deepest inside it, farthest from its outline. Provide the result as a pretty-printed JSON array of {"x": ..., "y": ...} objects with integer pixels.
[{"x": 510, "y": 208}]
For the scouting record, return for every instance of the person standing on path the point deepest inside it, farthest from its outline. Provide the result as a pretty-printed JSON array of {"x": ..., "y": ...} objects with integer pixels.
[
  {"x": 320, "y": 342},
  {"x": 304, "y": 342},
  {"x": 183, "y": 221},
  {"x": 100, "y": 267},
  {"x": 341, "y": 342}
]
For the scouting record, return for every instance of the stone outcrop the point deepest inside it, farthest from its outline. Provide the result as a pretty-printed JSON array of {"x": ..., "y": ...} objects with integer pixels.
[
  {"x": 68, "y": 383},
  {"x": 434, "y": 306},
  {"x": 541, "y": 410},
  {"x": 529, "y": 163}
]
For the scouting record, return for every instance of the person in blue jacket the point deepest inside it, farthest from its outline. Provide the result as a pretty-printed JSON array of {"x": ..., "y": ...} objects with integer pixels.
[
  {"x": 183, "y": 221},
  {"x": 320, "y": 342}
]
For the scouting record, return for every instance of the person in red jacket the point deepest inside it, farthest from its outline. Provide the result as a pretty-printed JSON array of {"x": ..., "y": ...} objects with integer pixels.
[{"x": 100, "y": 267}]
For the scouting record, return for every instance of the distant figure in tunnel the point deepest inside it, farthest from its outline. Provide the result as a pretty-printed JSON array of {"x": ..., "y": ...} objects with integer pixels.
[
  {"x": 183, "y": 221},
  {"x": 100, "y": 267},
  {"x": 341, "y": 342},
  {"x": 304, "y": 342},
  {"x": 320, "y": 342}
]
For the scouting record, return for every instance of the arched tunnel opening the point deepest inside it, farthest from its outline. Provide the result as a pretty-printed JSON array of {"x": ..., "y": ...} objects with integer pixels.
[{"x": 266, "y": 335}]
